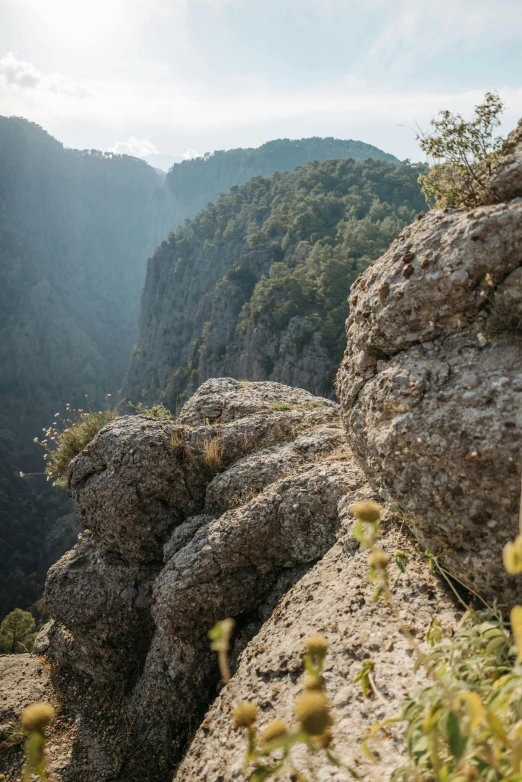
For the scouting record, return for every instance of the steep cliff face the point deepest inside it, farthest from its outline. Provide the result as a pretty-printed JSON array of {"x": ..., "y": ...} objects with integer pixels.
[
  {"x": 195, "y": 183},
  {"x": 256, "y": 285},
  {"x": 431, "y": 382}
]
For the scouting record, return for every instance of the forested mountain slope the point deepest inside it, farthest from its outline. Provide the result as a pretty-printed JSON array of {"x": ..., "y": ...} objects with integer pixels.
[
  {"x": 256, "y": 285},
  {"x": 194, "y": 183},
  {"x": 76, "y": 229}
]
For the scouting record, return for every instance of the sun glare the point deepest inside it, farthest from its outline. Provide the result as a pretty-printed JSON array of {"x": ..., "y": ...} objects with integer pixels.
[{"x": 81, "y": 23}]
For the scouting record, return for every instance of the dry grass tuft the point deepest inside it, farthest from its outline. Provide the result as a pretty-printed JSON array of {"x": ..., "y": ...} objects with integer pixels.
[
  {"x": 68, "y": 436},
  {"x": 213, "y": 450},
  {"x": 505, "y": 315},
  {"x": 177, "y": 442}
]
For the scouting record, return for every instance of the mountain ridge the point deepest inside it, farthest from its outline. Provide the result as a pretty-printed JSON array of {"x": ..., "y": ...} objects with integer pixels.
[{"x": 255, "y": 286}]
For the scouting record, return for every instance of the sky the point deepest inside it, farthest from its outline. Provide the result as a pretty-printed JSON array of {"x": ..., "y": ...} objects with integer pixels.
[{"x": 185, "y": 77}]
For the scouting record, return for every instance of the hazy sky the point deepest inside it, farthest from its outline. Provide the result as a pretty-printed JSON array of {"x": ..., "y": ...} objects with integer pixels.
[{"x": 170, "y": 75}]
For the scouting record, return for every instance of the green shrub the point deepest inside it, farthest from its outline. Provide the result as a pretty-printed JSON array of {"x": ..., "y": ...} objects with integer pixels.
[
  {"x": 156, "y": 411},
  {"x": 68, "y": 436},
  {"x": 464, "y": 156},
  {"x": 465, "y": 724},
  {"x": 17, "y": 632}
]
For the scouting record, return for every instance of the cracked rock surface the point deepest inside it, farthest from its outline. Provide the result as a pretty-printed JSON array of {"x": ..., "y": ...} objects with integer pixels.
[
  {"x": 431, "y": 382},
  {"x": 335, "y": 600},
  {"x": 215, "y": 514}
]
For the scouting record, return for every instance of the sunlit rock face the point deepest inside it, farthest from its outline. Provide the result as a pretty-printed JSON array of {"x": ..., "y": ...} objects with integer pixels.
[{"x": 431, "y": 381}]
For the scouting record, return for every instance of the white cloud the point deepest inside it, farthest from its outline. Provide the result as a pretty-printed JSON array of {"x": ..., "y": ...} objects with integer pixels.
[
  {"x": 190, "y": 154},
  {"x": 21, "y": 75},
  {"x": 135, "y": 146},
  {"x": 144, "y": 148}
]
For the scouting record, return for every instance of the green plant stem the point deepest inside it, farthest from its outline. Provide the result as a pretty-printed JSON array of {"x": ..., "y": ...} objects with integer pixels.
[{"x": 224, "y": 667}]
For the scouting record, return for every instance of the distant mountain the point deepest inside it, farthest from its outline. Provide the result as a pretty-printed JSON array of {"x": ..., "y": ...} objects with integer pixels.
[
  {"x": 195, "y": 183},
  {"x": 255, "y": 286},
  {"x": 76, "y": 229}
]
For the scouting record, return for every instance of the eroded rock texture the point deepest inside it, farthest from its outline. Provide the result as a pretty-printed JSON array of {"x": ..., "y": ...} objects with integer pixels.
[
  {"x": 216, "y": 514},
  {"x": 334, "y": 600},
  {"x": 431, "y": 382}
]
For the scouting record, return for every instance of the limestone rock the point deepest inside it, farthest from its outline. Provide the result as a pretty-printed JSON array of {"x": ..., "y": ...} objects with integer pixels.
[
  {"x": 507, "y": 182},
  {"x": 85, "y": 590},
  {"x": 431, "y": 385},
  {"x": 130, "y": 488},
  {"x": 216, "y": 514},
  {"x": 230, "y": 564},
  {"x": 334, "y": 600},
  {"x": 250, "y": 475},
  {"x": 225, "y": 399}
]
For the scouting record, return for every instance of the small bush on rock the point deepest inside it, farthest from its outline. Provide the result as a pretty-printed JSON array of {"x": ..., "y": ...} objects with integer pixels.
[
  {"x": 464, "y": 156},
  {"x": 17, "y": 632},
  {"x": 156, "y": 411}
]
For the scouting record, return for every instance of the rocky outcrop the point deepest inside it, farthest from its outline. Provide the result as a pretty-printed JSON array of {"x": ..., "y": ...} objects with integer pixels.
[
  {"x": 431, "y": 382},
  {"x": 215, "y": 514},
  {"x": 334, "y": 600}
]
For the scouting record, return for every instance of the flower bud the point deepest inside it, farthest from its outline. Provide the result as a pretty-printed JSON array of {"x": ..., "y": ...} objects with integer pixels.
[
  {"x": 366, "y": 510},
  {"x": 312, "y": 709},
  {"x": 378, "y": 559},
  {"x": 313, "y": 681},
  {"x": 274, "y": 730},
  {"x": 245, "y": 714},
  {"x": 36, "y": 717},
  {"x": 317, "y": 646}
]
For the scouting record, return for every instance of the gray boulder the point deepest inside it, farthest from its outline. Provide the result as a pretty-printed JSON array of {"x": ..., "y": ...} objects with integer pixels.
[{"x": 431, "y": 384}]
